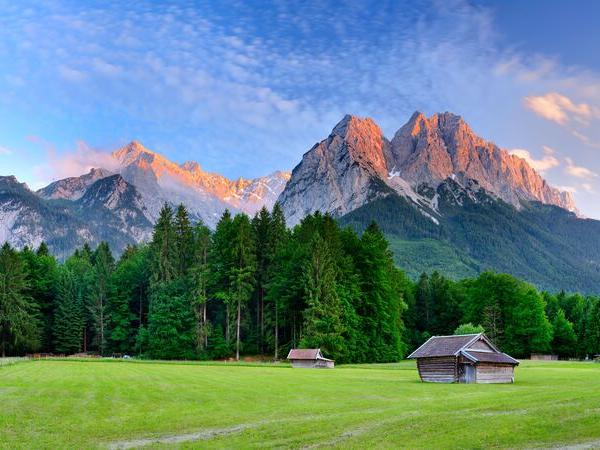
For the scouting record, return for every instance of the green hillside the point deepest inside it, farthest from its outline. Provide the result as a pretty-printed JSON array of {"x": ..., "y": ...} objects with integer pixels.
[{"x": 544, "y": 245}]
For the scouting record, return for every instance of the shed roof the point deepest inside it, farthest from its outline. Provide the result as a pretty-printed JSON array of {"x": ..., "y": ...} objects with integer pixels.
[
  {"x": 443, "y": 345},
  {"x": 305, "y": 353},
  {"x": 438, "y": 346},
  {"x": 491, "y": 357}
]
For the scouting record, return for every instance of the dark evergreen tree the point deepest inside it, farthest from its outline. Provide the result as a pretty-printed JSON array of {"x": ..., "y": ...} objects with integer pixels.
[
  {"x": 42, "y": 273},
  {"x": 103, "y": 263},
  {"x": 171, "y": 323},
  {"x": 69, "y": 321},
  {"x": 381, "y": 305},
  {"x": 200, "y": 278},
  {"x": 221, "y": 264},
  {"x": 564, "y": 341},
  {"x": 164, "y": 247},
  {"x": 243, "y": 269},
  {"x": 184, "y": 238},
  {"x": 19, "y": 328},
  {"x": 323, "y": 326}
]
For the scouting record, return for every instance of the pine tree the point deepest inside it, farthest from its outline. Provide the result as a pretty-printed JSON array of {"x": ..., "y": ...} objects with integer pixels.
[
  {"x": 243, "y": 269},
  {"x": 68, "y": 322},
  {"x": 103, "y": 267},
  {"x": 171, "y": 323},
  {"x": 164, "y": 247},
  {"x": 83, "y": 271},
  {"x": 184, "y": 238},
  {"x": 278, "y": 237},
  {"x": 128, "y": 301},
  {"x": 564, "y": 341},
  {"x": 18, "y": 315},
  {"x": 200, "y": 277},
  {"x": 322, "y": 319},
  {"x": 42, "y": 270},
  {"x": 423, "y": 304},
  {"x": 261, "y": 225},
  {"x": 220, "y": 266},
  {"x": 593, "y": 329},
  {"x": 381, "y": 305}
]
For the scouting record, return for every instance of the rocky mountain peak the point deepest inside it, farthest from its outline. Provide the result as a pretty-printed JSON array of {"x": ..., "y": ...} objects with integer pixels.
[
  {"x": 356, "y": 163},
  {"x": 134, "y": 151},
  {"x": 73, "y": 188},
  {"x": 363, "y": 140},
  {"x": 191, "y": 166}
]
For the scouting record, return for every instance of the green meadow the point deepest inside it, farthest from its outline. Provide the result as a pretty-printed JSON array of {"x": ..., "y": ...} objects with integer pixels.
[{"x": 118, "y": 404}]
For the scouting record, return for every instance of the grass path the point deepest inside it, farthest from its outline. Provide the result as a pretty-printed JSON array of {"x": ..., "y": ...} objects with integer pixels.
[{"x": 96, "y": 404}]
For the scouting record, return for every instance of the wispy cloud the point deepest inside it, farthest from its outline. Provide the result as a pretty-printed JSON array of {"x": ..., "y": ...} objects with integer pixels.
[
  {"x": 579, "y": 171},
  {"x": 559, "y": 108},
  {"x": 219, "y": 83},
  {"x": 5, "y": 151},
  {"x": 73, "y": 162}
]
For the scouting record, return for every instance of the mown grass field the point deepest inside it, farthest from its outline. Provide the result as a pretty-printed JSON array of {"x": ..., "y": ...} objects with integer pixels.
[{"x": 100, "y": 404}]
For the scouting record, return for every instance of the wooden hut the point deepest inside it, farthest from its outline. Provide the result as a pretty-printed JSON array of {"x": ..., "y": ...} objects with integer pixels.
[
  {"x": 470, "y": 358},
  {"x": 309, "y": 358}
]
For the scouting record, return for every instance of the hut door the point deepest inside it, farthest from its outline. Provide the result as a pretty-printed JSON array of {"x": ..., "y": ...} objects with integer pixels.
[{"x": 469, "y": 373}]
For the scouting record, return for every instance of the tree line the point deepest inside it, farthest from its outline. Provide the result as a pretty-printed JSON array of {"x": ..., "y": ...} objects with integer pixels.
[{"x": 252, "y": 286}]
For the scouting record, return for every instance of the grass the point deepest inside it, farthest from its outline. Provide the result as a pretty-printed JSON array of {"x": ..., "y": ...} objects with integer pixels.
[{"x": 98, "y": 404}]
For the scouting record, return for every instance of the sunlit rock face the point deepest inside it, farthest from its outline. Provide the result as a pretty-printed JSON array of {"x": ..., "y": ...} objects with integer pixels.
[
  {"x": 356, "y": 164},
  {"x": 339, "y": 174},
  {"x": 205, "y": 194},
  {"x": 430, "y": 150}
]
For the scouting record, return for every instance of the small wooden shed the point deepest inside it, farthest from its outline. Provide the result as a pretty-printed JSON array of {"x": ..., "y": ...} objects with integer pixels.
[
  {"x": 470, "y": 358},
  {"x": 309, "y": 358}
]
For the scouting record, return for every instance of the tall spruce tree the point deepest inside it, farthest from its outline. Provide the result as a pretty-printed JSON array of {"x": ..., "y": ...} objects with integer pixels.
[
  {"x": 200, "y": 278},
  {"x": 243, "y": 269},
  {"x": 220, "y": 266},
  {"x": 164, "y": 247},
  {"x": 381, "y": 305},
  {"x": 103, "y": 262},
  {"x": 564, "y": 340},
  {"x": 277, "y": 238},
  {"x": 261, "y": 225},
  {"x": 69, "y": 315},
  {"x": 171, "y": 323},
  {"x": 593, "y": 334},
  {"x": 184, "y": 238},
  {"x": 42, "y": 270},
  {"x": 128, "y": 302},
  {"x": 19, "y": 328},
  {"x": 323, "y": 326}
]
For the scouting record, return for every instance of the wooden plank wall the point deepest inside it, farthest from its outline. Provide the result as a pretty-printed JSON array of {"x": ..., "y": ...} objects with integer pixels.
[
  {"x": 438, "y": 370},
  {"x": 494, "y": 373}
]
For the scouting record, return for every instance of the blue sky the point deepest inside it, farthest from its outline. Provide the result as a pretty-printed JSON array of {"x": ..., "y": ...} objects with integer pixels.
[{"x": 245, "y": 88}]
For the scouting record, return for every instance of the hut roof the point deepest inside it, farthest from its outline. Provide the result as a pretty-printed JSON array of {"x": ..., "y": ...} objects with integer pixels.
[
  {"x": 443, "y": 345},
  {"x": 306, "y": 353},
  {"x": 438, "y": 346},
  {"x": 491, "y": 357}
]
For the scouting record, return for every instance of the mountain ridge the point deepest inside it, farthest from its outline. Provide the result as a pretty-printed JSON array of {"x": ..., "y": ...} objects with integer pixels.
[
  {"x": 446, "y": 198},
  {"x": 424, "y": 152}
]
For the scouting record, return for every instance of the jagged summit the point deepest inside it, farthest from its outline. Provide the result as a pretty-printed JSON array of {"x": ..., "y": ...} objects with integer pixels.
[
  {"x": 134, "y": 151},
  {"x": 73, "y": 188},
  {"x": 191, "y": 166},
  {"x": 356, "y": 163}
]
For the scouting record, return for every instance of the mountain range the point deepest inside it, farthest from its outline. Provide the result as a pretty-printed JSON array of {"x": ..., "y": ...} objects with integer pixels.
[{"x": 446, "y": 198}]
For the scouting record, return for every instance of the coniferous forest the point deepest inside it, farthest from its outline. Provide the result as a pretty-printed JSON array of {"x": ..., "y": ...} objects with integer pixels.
[{"x": 254, "y": 287}]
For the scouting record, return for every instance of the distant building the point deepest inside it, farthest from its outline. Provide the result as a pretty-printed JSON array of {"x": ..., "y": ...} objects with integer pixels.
[
  {"x": 309, "y": 358},
  {"x": 543, "y": 357},
  {"x": 470, "y": 358}
]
